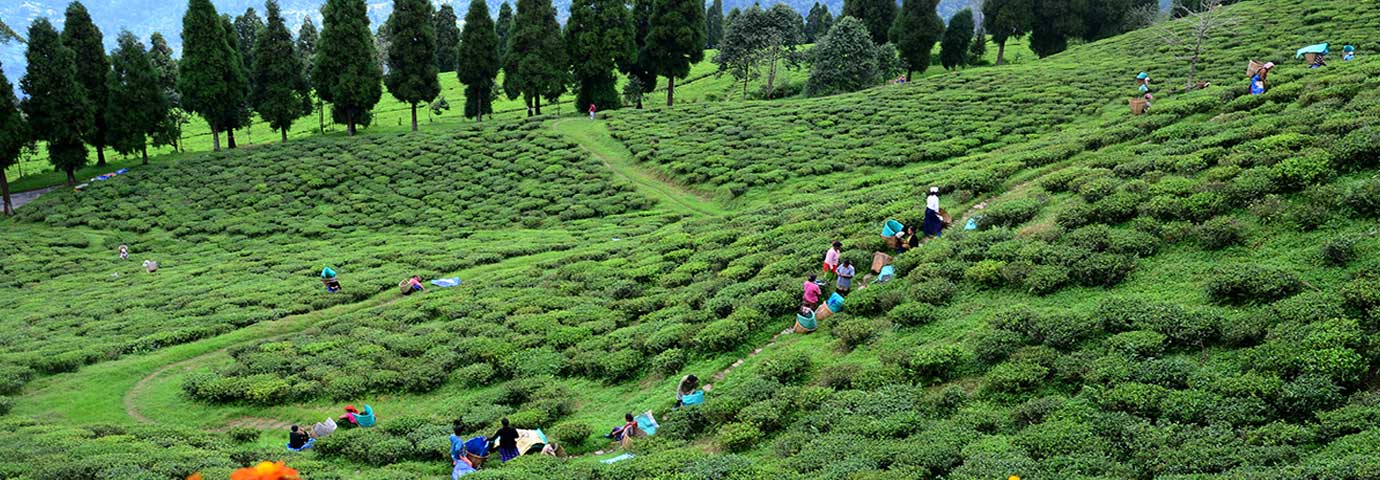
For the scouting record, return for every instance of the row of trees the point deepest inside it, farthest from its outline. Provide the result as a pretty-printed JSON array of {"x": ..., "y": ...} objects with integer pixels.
[{"x": 1052, "y": 23}]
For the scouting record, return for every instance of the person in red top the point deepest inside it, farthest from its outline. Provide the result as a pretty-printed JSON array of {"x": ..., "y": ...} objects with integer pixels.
[
  {"x": 591, "y": 111},
  {"x": 811, "y": 297}
]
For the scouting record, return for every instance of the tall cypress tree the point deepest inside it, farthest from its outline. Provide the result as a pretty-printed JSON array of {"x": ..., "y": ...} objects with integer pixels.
[
  {"x": 281, "y": 94},
  {"x": 675, "y": 40},
  {"x": 641, "y": 67},
  {"x": 479, "y": 49},
  {"x": 714, "y": 24},
  {"x": 814, "y": 23},
  {"x": 57, "y": 105},
  {"x": 878, "y": 15},
  {"x": 242, "y": 115},
  {"x": 447, "y": 39},
  {"x": 535, "y": 66},
  {"x": 82, "y": 36},
  {"x": 915, "y": 31},
  {"x": 1053, "y": 22},
  {"x": 306, "y": 51},
  {"x": 1006, "y": 19},
  {"x": 14, "y": 137},
  {"x": 503, "y": 27},
  {"x": 411, "y": 76},
  {"x": 169, "y": 128},
  {"x": 346, "y": 72},
  {"x": 209, "y": 76},
  {"x": 953, "y": 52},
  {"x": 247, "y": 28},
  {"x": 136, "y": 100},
  {"x": 599, "y": 35}
]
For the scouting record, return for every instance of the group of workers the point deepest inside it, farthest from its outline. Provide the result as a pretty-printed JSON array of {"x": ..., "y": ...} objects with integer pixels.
[
  {"x": 408, "y": 286},
  {"x": 300, "y": 439}
]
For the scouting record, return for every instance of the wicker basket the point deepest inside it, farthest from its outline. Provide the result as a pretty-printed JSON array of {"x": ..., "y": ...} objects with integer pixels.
[{"x": 1137, "y": 106}]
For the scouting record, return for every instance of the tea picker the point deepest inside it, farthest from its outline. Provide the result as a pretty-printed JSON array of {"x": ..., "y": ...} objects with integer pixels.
[{"x": 329, "y": 279}]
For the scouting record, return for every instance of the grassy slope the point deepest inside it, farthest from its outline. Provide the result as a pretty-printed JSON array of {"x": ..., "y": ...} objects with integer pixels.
[{"x": 1097, "y": 413}]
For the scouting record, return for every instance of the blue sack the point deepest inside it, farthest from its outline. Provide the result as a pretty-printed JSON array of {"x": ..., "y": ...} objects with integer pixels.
[
  {"x": 888, "y": 272},
  {"x": 646, "y": 423},
  {"x": 692, "y": 399},
  {"x": 835, "y": 303},
  {"x": 807, "y": 321},
  {"x": 310, "y": 442},
  {"x": 971, "y": 225},
  {"x": 617, "y": 459},
  {"x": 479, "y": 446},
  {"x": 446, "y": 282}
]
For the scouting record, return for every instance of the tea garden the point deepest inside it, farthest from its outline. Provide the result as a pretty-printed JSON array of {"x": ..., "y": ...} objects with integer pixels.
[{"x": 1192, "y": 293}]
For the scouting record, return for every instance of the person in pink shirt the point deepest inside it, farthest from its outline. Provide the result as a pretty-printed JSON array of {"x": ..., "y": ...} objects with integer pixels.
[
  {"x": 591, "y": 111},
  {"x": 811, "y": 297},
  {"x": 831, "y": 257}
]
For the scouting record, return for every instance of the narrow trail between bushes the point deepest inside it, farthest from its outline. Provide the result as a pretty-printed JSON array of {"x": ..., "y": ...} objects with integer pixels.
[{"x": 593, "y": 136}]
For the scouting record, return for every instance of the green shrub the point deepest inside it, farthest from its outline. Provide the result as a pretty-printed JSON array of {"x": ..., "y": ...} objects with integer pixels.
[
  {"x": 669, "y": 361},
  {"x": 785, "y": 367},
  {"x": 854, "y": 330},
  {"x": 1250, "y": 283},
  {"x": 1311, "y": 167},
  {"x": 1137, "y": 343},
  {"x": 243, "y": 434},
  {"x": 994, "y": 345},
  {"x": 475, "y": 375},
  {"x": 875, "y": 300},
  {"x": 987, "y": 273},
  {"x": 572, "y": 434},
  {"x": 1338, "y": 250},
  {"x": 932, "y": 361},
  {"x": 913, "y": 314},
  {"x": 1219, "y": 233},
  {"x": 738, "y": 437},
  {"x": 1010, "y": 377},
  {"x": 1358, "y": 149},
  {"x": 683, "y": 423},
  {"x": 721, "y": 335},
  {"x": 934, "y": 291},
  {"x": 1365, "y": 198},
  {"x": 1009, "y": 213}
]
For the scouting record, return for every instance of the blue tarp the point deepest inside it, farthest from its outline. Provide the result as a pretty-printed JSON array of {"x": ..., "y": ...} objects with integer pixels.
[
  {"x": 461, "y": 469},
  {"x": 310, "y": 442},
  {"x": 888, "y": 272},
  {"x": 617, "y": 459},
  {"x": 891, "y": 228},
  {"x": 971, "y": 225},
  {"x": 835, "y": 303},
  {"x": 1319, "y": 48},
  {"x": 366, "y": 419},
  {"x": 446, "y": 282},
  {"x": 646, "y": 423},
  {"x": 327, "y": 273},
  {"x": 692, "y": 399}
]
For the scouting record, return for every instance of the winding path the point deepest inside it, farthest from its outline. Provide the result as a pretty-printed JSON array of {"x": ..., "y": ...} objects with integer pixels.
[{"x": 593, "y": 137}]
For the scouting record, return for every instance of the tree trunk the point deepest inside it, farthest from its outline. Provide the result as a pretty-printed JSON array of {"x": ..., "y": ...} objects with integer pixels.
[
  {"x": 230, "y": 137},
  {"x": 771, "y": 75},
  {"x": 538, "y": 104},
  {"x": 639, "y": 102},
  {"x": 670, "y": 91},
  {"x": 909, "y": 71},
  {"x": 100, "y": 155},
  {"x": 144, "y": 150},
  {"x": 215, "y": 139},
  {"x": 350, "y": 124},
  {"x": 321, "y": 117},
  {"x": 528, "y": 100},
  {"x": 71, "y": 176},
  {"x": 414, "y": 116},
  {"x": 284, "y": 135},
  {"x": 5, "y": 192},
  {"x": 1001, "y": 52}
]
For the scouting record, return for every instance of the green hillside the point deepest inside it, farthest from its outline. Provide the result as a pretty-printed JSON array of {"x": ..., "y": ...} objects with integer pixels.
[{"x": 1188, "y": 294}]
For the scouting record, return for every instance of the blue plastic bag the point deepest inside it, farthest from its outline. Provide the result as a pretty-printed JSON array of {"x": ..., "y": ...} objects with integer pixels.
[{"x": 835, "y": 303}]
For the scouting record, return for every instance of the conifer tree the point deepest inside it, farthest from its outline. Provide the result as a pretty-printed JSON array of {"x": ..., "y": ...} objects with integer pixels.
[
  {"x": 241, "y": 115},
  {"x": 877, "y": 15},
  {"x": 714, "y": 24},
  {"x": 306, "y": 51},
  {"x": 641, "y": 67},
  {"x": 817, "y": 22},
  {"x": 56, "y": 106},
  {"x": 281, "y": 94},
  {"x": 915, "y": 32},
  {"x": 1006, "y": 19},
  {"x": 137, "y": 105},
  {"x": 953, "y": 52},
  {"x": 480, "y": 64},
  {"x": 845, "y": 60},
  {"x": 346, "y": 71},
  {"x": 599, "y": 35},
  {"x": 169, "y": 128},
  {"x": 535, "y": 66},
  {"x": 82, "y": 36},
  {"x": 411, "y": 76},
  {"x": 503, "y": 27},
  {"x": 979, "y": 46},
  {"x": 675, "y": 40},
  {"x": 447, "y": 39},
  {"x": 14, "y": 137},
  {"x": 247, "y": 28},
  {"x": 1053, "y": 23}
]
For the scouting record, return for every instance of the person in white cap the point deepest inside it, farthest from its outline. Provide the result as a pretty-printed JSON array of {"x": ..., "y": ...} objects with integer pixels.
[{"x": 933, "y": 222}]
